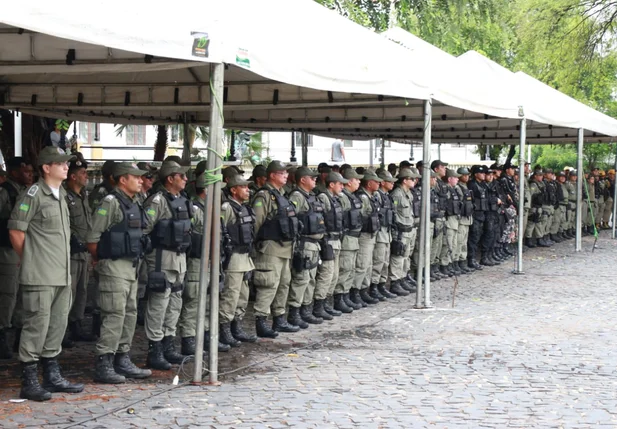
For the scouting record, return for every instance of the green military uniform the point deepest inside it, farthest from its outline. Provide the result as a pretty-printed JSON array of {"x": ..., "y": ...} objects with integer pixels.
[
  {"x": 349, "y": 250},
  {"x": 454, "y": 205},
  {"x": 589, "y": 206},
  {"x": 438, "y": 193},
  {"x": 534, "y": 225},
  {"x": 548, "y": 209},
  {"x": 404, "y": 228},
  {"x": 560, "y": 218},
  {"x": 571, "y": 212},
  {"x": 45, "y": 290},
  {"x": 526, "y": 206},
  {"x": 381, "y": 252},
  {"x": 600, "y": 187},
  {"x": 464, "y": 223},
  {"x": 367, "y": 240},
  {"x": 81, "y": 220},
  {"x": 608, "y": 202}
]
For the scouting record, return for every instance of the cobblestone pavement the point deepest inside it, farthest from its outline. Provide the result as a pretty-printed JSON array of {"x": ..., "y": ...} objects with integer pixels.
[{"x": 516, "y": 351}]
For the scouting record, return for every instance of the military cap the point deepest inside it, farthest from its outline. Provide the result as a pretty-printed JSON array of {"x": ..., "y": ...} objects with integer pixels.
[
  {"x": 595, "y": 168},
  {"x": 305, "y": 171},
  {"x": 51, "y": 154},
  {"x": 326, "y": 169},
  {"x": 108, "y": 168},
  {"x": 229, "y": 172},
  {"x": 538, "y": 171},
  {"x": 333, "y": 177},
  {"x": 370, "y": 175},
  {"x": 495, "y": 166},
  {"x": 548, "y": 171},
  {"x": 419, "y": 164},
  {"x": 350, "y": 173},
  {"x": 200, "y": 168},
  {"x": 122, "y": 168},
  {"x": 489, "y": 171},
  {"x": 291, "y": 169},
  {"x": 463, "y": 171},
  {"x": 508, "y": 165},
  {"x": 572, "y": 173},
  {"x": 404, "y": 164},
  {"x": 602, "y": 173},
  {"x": 146, "y": 166},
  {"x": 452, "y": 173},
  {"x": 437, "y": 163},
  {"x": 479, "y": 169},
  {"x": 321, "y": 165},
  {"x": 171, "y": 167},
  {"x": 386, "y": 176},
  {"x": 360, "y": 170},
  {"x": 174, "y": 158},
  {"x": 259, "y": 171},
  {"x": 407, "y": 173},
  {"x": 237, "y": 180},
  {"x": 275, "y": 166},
  {"x": 77, "y": 163},
  {"x": 561, "y": 174}
]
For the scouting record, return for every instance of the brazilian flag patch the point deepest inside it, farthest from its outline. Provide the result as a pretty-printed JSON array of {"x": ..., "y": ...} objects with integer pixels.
[
  {"x": 102, "y": 212},
  {"x": 151, "y": 212},
  {"x": 24, "y": 207}
]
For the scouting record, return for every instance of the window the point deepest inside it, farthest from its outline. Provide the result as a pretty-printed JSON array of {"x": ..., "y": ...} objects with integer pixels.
[
  {"x": 347, "y": 143},
  {"x": 309, "y": 140},
  {"x": 89, "y": 132},
  {"x": 136, "y": 135},
  {"x": 175, "y": 131}
]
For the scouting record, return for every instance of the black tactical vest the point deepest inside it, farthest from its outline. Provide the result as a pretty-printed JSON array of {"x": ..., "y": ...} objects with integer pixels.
[
  {"x": 454, "y": 205},
  {"x": 124, "y": 239},
  {"x": 174, "y": 234},
  {"x": 4, "y": 223},
  {"x": 370, "y": 223},
  {"x": 480, "y": 197},
  {"x": 417, "y": 201},
  {"x": 436, "y": 212},
  {"x": 284, "y": 225},
  {"x": 334, "y": 217},
  {"x": 313, "y": 219},
  {"x": 352, "y": 218},
  {"x": 442, "y": 191},
  {"x": 493, "y": 196},
  {"x": 467, "y": 203},
  {"x": 242, "y": 231},
  {"x": 386, "y": 215}
]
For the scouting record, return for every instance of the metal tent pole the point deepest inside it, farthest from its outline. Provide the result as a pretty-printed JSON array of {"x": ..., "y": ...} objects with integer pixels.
[
  {"x": 292, "y": 155},
  {"x": 370, "y": 152},
  {"x": 579, "y": 190},
  {"x": 211, "y": 237},
  {"x": 305, "y": 138},
  {"x": 521, "y": 196},
  {"x": 614, "y": 200},
  {"x": 426, "y": 205},
  {"x": 232, "y": 146},
  {"x": 186, "y": 148},
  {"x": 383, "y": 153},
  {"x": 17, "y": 135}
]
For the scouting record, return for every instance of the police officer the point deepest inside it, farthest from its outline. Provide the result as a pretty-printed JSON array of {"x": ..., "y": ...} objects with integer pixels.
[
  {"x": 18, "y": 175},
  {"x": 310, "y": 213},
  {"x": 239, "y": 229},
  {"x": 381, "y": 253},
  {"x": 169, "y": 225},
  {"x": 352, "y": 222},
  {"x": 534, "y": 234},
  {"x": 464, "y": 222},
  {"x": 291, "y": 180},
  {"x": 371, "y": 224},
  {"x": 147, "y": 181},
  {"x": 454, "y": 207},
  {"x": 328, "y": 270},
  {"x": 277, "y": 229},
  {"x": 142, "y": 196},
  {"x": 403, "y": 234},
  {"x": 492, "y": 227},
  {"x": 102, "y": 189},
  {"x": 439, "y": 248},
  {"x": 478, "y": 189},
  {"x": 258, "y": 179},
  {"x": 591, "y": 207},
  {"x": 40, "y": 234},
  {"x": 609, "y": 201},
  {"x": 116, "y": 244},
  {"x": 80, "y": 218},
  {"x": 548, "y": 209}
]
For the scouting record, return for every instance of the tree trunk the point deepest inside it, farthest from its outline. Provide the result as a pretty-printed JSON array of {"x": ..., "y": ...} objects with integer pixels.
[{"x": 160, "y": 147}]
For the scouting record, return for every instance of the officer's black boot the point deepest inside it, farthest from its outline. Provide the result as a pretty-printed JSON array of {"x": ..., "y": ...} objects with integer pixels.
[
  {"x": 16, "y": 340},
  {"x": 443, "y": 269},
  {"x": 340, "y": 304},
  {"x": 404, "y": 283},
  {"x": 354, "y": 296},
  {"x": 374, "y": 293},
  {"x": 433, "y": 274},
  {"x": 462, "y": 266},
  {"x": 348, "y": 298},
  {"x": 293, "y": 317},
  {"x": 410, "y": 279},
  {"x": 496, "y": 257},
  {"x": 239, "y": 333},
  {"x": 532, "y": 242},
  {"x": 307, "y": 315},
  {"x": 30, "y": 387},
  {"x": 104, "y": 371},
  {"x": 96, "y": 323},
  {"x": 395, "y": 287},
  {"x": 156, "y": 359},
  {"x": 223, "y": 348},
  {"x": 455, "y": 269},
  {"x": 438, "y": 273},
  {"x": 486, "y": 261},
  {"x": 547, "y": 238},
  {"x": 226, "y": 336},
  {"x": 331, "y": 311},
  {"x": 470, "y": 265},
  {"x": 5, "y": 350},
  {"x": 543, "y": 243},
  {"x": 169, "y": 351},
  {"x": 279, "y": 324},
  {"x": 364, "y": 295},
  {"x": 187, "y": 346},
  {"x": 123, "y": 365},
  {"x": 53, "y": 380},
  {"x": 319, "y": 310},
  {"x": 78, "y": 334},
  {"x": 385, "y": 292}
]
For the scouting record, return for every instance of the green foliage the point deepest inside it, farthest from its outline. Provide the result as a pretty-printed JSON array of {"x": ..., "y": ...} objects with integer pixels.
[{"x": 559, "y": 156}]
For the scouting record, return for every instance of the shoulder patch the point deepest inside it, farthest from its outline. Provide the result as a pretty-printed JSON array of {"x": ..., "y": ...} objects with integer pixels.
[
  {"x": 24, "y": 207},
  {"x": 102, "y": 212},
  {"x": 258, "y": 204},
  {"x": 109, "y": 197},
  {"x": 151, "y": 212},
  {"x": 33, "y": 190},
  {"x": 225, "y": 206},
  {"x": 157, "y": 198}
]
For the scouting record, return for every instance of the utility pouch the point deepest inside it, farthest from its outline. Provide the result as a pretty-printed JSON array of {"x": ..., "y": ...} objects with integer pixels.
[
  {"x": 297, "y": 262},
  {"x": 327, "y": 252},
  {"x": 157, "y": 282},
  {"x": 398, "y": 248}
]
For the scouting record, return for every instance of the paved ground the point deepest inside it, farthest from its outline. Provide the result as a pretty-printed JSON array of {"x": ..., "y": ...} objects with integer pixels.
[{"x": 516, "y": 351}]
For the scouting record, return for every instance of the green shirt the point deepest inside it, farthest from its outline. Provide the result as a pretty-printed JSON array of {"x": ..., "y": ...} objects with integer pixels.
[
  {"x": 265, "y": 208},
  {"x": 99, "y": 192},
  {"x": 383, "y": 235},
  {"x": 107, "y": 214},
  {"x": 45, "y": 220},
  {"x": 348, "y": 242},
  {"x": 8, "y": 256},
  {"x": 299, "y": 199},
  {"x": 81, "y": 218},
  {"x": 239, "y": 262},
  {"x": 333, "y": 240}
]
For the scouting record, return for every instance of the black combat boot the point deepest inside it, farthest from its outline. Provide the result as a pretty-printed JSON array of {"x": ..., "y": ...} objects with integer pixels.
[
  {"x": 410, "y": 280},
  {"x": 395, "y": 287},
  {"x": 279, "y": 324},
  {"x": 331, "y": 311},
  {"x": 5, "y": 350},
  {"x": 405, "y": 285},
  {"x": 486, "y": 261},
  {"x": 547, "y": 238},
  {"x": 470, "y": 265},
  {"x": 385, "y": 292},
  {"x": 123, "y": 365},
  {"x": 319, "y": 310},
  {"x": 366, "y": 297},
  {"x": 169, "y": 351},
  {"x": 239, "y": 334},
  {"x": 340, "y": 304},
  {"x": 226, "y": 336},
  {"x": 455, "y": 269},
  {"x": 16, "y": 340},
  {"x": 30, "y": 387},
  {"x": 78, "y": 334},
  {"x": 104, "y": 371},
  {"x": 347, "y": 297},
  {"x": 307, "y": 315},
  {"x": 187, "y": 346},
  {"x": 433, "y": 274},
  {"x": 156, "y": 359},
  {"x": 222, "y": 348},
  {"x": 462, "y": 267},
  {"x": 374, "y": 293},
  {"x": 443, "y": 269},
  {"x": 293, "y": 317},
  {"x": 354, "y": 296},
  {"x": 53, "y": 380},
  {"x": 96, "y": 323},
  {"x": 543, "y": 243}
]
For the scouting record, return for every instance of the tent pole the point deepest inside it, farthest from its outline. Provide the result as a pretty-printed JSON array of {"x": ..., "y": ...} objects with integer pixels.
[
  {"x": 17, "y": 135},
  {"x": 304, "y": 148},
  {"x": 383, "y": 153},
  {"x": 292, "y": 157},
  {"x": 614, "y": 200},
  {"x": 232, "y": 146},
  {"x": 521, "y": 196},
  {"x": 439, "y": 151},
  {"x": 186, "y": 148},
  {"x": 370, "y": 152},
  {"x": 426, "y": 195},
  {"x": 579, "y": 190},
  {"x": 211, "y": 235},
  {"x": 529, "y": 154}
]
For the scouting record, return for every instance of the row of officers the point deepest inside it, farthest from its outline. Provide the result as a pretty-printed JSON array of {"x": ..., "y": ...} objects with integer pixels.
[{"x": 313, "y": 245}]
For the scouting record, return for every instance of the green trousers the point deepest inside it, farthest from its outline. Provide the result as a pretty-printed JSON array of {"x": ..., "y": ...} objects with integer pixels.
[
  {"x": 448, "y": 249},
  {"x": 45, "y": 316},
  {"x": 327, "y": 276},
  {"x": 300, "y": 281},
  {"x": 163, "y": 309},
  {"x": 347, "y": 268},
  {"x": 8, "y": 293},
  {"x": 608, "y": 210},
  {"x": 399, "y": 264},
  {"x": 187, "y": 322},
  {"x": 364, "y": 261},
  {"x": 118, "y": 303},
  {"x": 79, "y": 288},
  {"x": 271, "y": 278},
  {"x": 234, "y": 298},
  {"x": 462, "y": 235},
  {"x": 437, "y": 241},
  {"x": 381, "y": 262}
]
